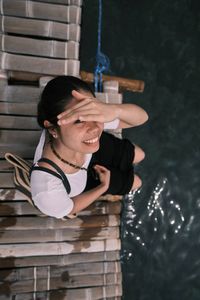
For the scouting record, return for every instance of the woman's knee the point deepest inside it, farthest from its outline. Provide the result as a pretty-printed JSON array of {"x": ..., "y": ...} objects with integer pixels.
[
  {"x": 139, "y": 155},
  {"x": 137, "y": 183}
]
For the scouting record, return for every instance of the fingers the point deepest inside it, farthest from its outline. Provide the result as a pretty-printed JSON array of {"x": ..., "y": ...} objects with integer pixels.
[
  {"x": 103, "y": 173},
  {"x": 78, "y": 95},
  {"x": 92, "y": 117},
  {"x": 88, "y": 111},
  {"x": 77, "y": 106},
  {"x": 100, "y": 169}
]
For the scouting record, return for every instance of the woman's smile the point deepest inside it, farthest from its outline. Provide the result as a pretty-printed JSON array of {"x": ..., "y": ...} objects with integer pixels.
[{"x": 91, "y": 141}]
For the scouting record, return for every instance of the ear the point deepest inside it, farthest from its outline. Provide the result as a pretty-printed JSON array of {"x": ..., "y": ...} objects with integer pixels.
[
  {"x": 51, "y": 129},
  {"x": 47, "y": 124}
]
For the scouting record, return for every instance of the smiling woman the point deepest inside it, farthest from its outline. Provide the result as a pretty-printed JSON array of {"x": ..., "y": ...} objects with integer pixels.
[{"x": 73, "y": 141}]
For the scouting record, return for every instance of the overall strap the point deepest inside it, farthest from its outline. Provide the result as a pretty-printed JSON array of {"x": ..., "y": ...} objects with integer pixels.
[{"x": 59, "y": 174}]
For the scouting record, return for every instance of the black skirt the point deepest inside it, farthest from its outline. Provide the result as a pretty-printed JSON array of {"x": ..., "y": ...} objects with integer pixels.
[{"x": 117, "y": 155}]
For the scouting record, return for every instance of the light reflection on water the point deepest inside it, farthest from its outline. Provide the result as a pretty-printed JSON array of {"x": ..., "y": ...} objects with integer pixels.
[{"x": 160, "y": 244}]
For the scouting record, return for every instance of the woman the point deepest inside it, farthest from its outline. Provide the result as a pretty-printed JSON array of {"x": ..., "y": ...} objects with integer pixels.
[{"x": 74, "y": 140}]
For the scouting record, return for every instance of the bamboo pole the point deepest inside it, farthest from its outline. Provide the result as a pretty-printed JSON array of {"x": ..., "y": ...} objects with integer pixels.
[
  {"x": 30, "y": 223},
  {"x": 42, "y": 65},
  {"x": 41, "y": 249},
  {"x": 40, "y": 28},
  {"x": 94, "y": 293},
  {"x": 60, "y": 283},
  {"x": 13, "y": 237},
  {"x": 44, "y": 11},
  {"x": 133, "y": 85},
  {"x": 9, "y": 108},
  {"x": 61, "y": 260},
  {"x": 24, "y": 208},
  {"x": 19, "y": 122},
  {"x": 18, "y": 274},
  {"x": 124, "y": 83}
]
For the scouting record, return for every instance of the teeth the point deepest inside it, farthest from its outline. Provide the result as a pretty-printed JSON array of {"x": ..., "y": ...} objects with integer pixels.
[{"x": 92, "y": 141}]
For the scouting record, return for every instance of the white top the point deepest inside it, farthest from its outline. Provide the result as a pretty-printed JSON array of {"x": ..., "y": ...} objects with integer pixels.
[{"x": 48, "y": 192}]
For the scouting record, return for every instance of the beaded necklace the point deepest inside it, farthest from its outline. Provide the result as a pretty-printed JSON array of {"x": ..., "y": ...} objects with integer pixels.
[{"x": 65, "y": 161}]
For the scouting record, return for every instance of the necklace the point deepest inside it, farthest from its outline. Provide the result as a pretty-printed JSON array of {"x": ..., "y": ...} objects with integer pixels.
[{"x": 65, "y": 161}]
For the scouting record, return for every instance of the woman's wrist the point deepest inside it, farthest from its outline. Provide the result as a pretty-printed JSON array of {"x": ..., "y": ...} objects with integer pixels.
[{"x": 103, "y": 187}]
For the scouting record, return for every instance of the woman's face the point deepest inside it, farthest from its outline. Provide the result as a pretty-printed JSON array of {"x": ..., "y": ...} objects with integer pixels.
[{"x": 82, "y": 137}]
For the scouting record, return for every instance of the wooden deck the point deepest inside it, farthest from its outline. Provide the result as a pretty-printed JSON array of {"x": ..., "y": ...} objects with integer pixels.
[{"x": 43, "y": 256}]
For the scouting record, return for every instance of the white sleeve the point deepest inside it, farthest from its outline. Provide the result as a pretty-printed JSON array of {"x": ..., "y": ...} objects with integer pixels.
[
  {"x": 49, "y": 195},
  {"x": 112, "y": 125}
]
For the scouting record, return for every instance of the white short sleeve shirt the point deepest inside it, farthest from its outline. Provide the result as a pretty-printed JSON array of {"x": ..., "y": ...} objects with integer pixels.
[{"x": 48, "y": 191}]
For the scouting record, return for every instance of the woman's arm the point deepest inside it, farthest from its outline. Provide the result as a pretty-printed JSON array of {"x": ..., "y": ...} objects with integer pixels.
[
  {"x": 130, "y": 115},
  {"x": 85, "y": 199},
  {"x": 51, "y": 198},
  {"x": 91, "y": 109}
]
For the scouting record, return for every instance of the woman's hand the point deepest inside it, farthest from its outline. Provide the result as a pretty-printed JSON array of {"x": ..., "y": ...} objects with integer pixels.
[
  {"x": 85, "y": 199},
  {"x": 89, "y": 109},
  {"x": 104, "y": 175}
]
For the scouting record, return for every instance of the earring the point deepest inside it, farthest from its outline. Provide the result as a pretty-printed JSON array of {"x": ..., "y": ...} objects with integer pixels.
[{"x": 54, "y": 135}]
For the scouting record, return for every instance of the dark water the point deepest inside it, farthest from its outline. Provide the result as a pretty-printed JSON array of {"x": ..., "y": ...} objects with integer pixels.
[{"x": 158, "y": 41}]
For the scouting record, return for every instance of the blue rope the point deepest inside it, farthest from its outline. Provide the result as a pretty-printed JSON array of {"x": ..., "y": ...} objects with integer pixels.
[{"x": 102, "y": 61}]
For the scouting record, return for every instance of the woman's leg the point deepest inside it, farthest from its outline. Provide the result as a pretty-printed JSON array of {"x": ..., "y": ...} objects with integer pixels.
[
  {"x": 139, "y": 155},
  {"x": 137, "y": 183}
]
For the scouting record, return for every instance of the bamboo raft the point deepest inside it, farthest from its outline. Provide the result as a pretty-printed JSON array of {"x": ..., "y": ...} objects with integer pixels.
[{"x": 48, "y": 258}]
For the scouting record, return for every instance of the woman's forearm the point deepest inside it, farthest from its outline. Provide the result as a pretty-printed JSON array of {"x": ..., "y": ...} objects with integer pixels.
[
  {"x": 85, "y": 199},
  {"x": 130, "y": 115}
]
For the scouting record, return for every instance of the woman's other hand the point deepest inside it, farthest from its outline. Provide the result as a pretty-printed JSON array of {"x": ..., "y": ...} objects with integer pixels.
[
  {"x": 104, "y": 175},
  {"x": 89, "y": 109}
]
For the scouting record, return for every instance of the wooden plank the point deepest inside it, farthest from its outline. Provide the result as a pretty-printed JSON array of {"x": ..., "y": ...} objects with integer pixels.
[
  {"x": 39, "y": 10},
  {"x": 94, "y": 293},
  {"x": 5, "y": 166},
  {"x": 12, "y": 236},
  {"x": 11, "y": 194},
  {"x": 59, "y": 283},
  {"x": 20, "y": 142},
  {"x": 34, "y": 27},
  {"x": 41, "y": 249},
  {"x": 12, "y": 208},
  {"x": 39, "y": 47},
  {"x": 6, "y": 180},
  {"x": 17, "y": 209},
  {"x": 19, "y": 93},
  {"x": 17, "y": 274},
  {"x": 124, "y": 83},
  {"x": 10, "y": 108},
  {"x": 24, "y": 151},
  {"x": 24, "y": 76},
  {"x": 12, "y": 137},
  {"x": 30, "y": 223},
  {"x": 60, "y": 260},
  {"x": 67, "y": 2},
  {"x": 18, "y": 122},
  {"x": 39, "y": 65}
]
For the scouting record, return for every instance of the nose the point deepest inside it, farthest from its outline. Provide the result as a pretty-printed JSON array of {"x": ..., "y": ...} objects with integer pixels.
[{"x": 93, "y": 126}]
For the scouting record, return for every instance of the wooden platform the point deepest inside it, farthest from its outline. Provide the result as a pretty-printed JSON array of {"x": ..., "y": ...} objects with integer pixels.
[{"x": 43, "y": 257}]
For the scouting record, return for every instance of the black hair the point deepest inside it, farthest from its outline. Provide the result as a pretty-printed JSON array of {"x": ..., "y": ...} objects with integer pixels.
[{"x": 56, "y": 94}]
